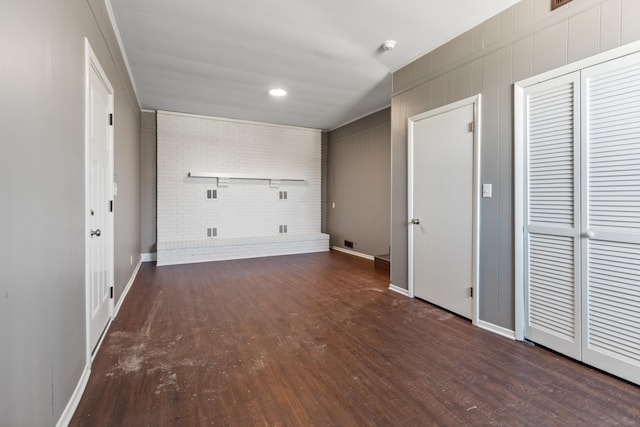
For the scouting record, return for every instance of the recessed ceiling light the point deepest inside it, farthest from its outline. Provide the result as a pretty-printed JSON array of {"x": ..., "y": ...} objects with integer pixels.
[{"x": 277, "y": 92}]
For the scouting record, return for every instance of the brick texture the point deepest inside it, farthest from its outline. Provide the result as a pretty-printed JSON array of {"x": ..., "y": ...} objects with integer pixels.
[{"x": 244, "y": 209}]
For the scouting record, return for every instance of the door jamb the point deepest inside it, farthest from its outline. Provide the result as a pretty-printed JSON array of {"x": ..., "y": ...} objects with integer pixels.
[
  {"x": 477, "y": 132},
  {"x": 91, "y": 62}
]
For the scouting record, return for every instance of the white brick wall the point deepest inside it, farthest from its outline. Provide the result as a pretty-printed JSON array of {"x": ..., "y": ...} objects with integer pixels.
[
  {"x": 184, "y": 252},
  {"x": 244, "y": 208}
]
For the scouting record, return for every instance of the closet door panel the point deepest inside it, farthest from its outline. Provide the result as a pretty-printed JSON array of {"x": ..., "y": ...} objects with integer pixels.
[
  {"x": 552, "y": 230},
  {"x": 611, "y": 216}
]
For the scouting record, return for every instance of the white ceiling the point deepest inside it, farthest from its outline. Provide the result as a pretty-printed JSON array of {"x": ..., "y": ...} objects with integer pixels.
[{"x": 220, "y": 57}]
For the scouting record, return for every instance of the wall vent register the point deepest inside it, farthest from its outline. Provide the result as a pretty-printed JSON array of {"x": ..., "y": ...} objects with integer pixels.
[{"x": 557, "y": 3}]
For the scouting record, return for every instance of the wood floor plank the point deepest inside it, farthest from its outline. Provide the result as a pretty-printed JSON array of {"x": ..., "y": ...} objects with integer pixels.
[{"x": 318, "y": 339}]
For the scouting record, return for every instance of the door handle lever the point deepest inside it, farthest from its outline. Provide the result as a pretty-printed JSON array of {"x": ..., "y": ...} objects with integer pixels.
[
  {"x": 415, "y": 221},
  {"x": 96, "y": 233}
]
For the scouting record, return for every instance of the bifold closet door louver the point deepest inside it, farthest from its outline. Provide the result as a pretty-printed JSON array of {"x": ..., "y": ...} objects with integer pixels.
[
  {"x": 552, "y": 231},
  {"x": 611, "y": 180}
]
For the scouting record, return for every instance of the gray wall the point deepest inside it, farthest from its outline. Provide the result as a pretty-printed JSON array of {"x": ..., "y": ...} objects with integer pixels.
[
  {"x": 323, "y": 191},
  {"x": 359, "y": 183},
  {"x": 42, "y": 289},
  {"x": 148, "y": 162},
  {"x": 524, "y": 40}
]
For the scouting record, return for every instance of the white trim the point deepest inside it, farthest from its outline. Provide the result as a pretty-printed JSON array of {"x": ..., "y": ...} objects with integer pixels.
[
  {"x": 518, "y": 200},
  {"x": 102, "y": 337},
  {"x": 114, "y": 25},
  {"x": 74, "y": 400},
  {"x": 127, "y": 288},
  {"x": 224, "y": 119},
  {"x": 475, "y": 275},
  {"x": 508, "y": 333},
  {"x": 92, "y": 62},
  {"x": 149, "y": 257},
  {"x": 360, "y": 117},
  {"x": 147, "y": 110},
  {"x": 87, "y": 291},
  {"x": 477, "y": 120},
  {"x": 410, "y": 285},
  {"x": 354, "y": 253},
  {"x": 399, "y": 290}
]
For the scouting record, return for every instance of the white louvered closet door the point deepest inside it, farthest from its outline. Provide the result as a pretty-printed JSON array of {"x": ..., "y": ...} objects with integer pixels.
[
  {"x": 611, "y": 216},
  {"x": 552, "y": 214}
]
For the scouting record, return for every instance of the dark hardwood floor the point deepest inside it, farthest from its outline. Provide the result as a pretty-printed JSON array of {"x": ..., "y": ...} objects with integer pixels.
[{"x": 318, "y": 339}]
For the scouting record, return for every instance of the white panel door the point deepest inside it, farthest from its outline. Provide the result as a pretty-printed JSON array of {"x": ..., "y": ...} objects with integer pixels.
[
  {"x": 99, "y": 194},
  {"x": 611, "y": 216},
  {"x": 552, "y": 231},
  {"x": 443, "y": 200}
]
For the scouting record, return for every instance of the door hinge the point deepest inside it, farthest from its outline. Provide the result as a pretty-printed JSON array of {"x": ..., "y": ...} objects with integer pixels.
[
  {"x": 111, "y": 292},
  {"x": 471, "y": 292},
  {"x": 472, "y": 126},
  {"x": 110, "y": 119},
  {"x": 110, "y": 205}
]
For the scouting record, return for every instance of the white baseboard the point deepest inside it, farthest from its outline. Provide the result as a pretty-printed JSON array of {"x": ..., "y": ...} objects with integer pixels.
[
  {"x": 354, "y": 253},
  {"x": 127, "y": 288},
  {"x": 497, "y": 329},
  {"x": 74, "y": 400},
  {"x": 401, "y": 291},
  {"x": 149, "y": 257}
]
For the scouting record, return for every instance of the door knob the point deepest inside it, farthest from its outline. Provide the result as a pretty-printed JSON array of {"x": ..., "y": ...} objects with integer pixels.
[
  {"x": 96, "y": 233},
  {"x": 589, "y": 234},
  {"x": 415, "y": 221}
]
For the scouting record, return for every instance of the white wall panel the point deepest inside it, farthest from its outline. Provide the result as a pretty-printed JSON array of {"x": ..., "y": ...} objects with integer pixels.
[{"x": 243, "y": 208}]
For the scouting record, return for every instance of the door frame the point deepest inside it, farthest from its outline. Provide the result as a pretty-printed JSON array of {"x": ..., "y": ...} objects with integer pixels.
[
  {"x": 519, "y": 159},
  {"x": 92, "y": 63},
  {"x": 476, "y": 102}
]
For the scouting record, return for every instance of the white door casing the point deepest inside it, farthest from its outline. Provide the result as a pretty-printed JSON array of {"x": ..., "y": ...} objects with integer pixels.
[
  {"x": 443, "y": 157},
  {"x": 98, "y": 196}
]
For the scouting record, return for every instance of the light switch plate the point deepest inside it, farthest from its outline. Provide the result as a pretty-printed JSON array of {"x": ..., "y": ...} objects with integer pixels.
[{"x": 487, "y": 190}]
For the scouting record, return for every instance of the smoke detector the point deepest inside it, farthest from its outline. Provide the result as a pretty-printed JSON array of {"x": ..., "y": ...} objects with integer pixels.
[{"x": 388, "y": 44}]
